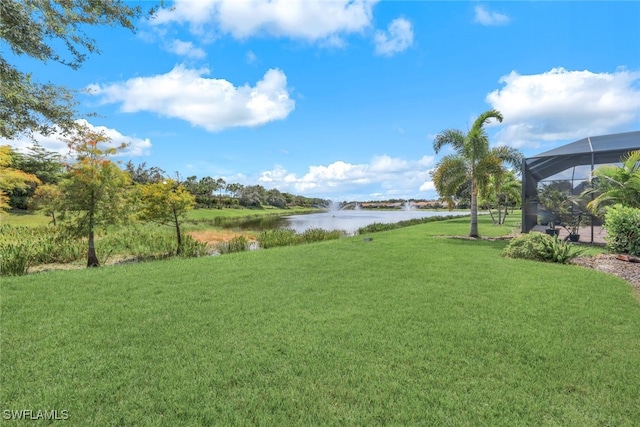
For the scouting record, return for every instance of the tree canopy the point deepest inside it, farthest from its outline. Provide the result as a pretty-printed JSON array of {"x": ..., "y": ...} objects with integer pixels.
[
  {"x": 93, "y": 193},
  {"x": 49, "y": 30},
  {"x": 11, "y": 178},
  {"x": 474, "y": 162}
]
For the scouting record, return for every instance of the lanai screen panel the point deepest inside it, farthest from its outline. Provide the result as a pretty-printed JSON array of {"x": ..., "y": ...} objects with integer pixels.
[{"x": 572, "y": 162}]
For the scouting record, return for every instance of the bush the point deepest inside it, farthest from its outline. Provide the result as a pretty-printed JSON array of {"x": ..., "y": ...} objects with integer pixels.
[
  {"x": 541, "y": 247},
  {"x": 623, "y": 229},
  {"x": 528, "y": 246},
  {"x": 560, "y": 251}
]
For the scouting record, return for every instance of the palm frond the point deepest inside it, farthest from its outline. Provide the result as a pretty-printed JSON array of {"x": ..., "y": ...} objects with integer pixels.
[
  {"x": 450, "y": 173},
  {"x": 631, "y": 161},
  {"x": 452, "y": 137},
  {"x": 483, "y": 118},
  {"x": 509, "y": 155}
]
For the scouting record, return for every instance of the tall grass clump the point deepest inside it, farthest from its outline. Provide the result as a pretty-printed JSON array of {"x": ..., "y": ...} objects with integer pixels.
[
  {"x": 237, "y": 244},
  {"x": 277, "y": 237},
  {"x": 23, "y": 247},
  {"x": 147, "y": 242},
  {"x": 15, "y": 258},
  {"x": 379, "y": 226},
  {"x": 318, "y": 235},
  {"x": 288, "y": 237}
]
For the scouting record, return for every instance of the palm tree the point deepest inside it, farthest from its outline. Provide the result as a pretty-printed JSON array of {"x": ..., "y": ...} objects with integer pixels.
[
  {"x": 503, "y": 189},
  {"x": 473, "y": 161},
  {"x": 616, "y": 184}
]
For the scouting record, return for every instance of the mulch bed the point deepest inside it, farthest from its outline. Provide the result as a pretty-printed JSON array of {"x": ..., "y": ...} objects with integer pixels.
[{"x": 612, "y": 264}]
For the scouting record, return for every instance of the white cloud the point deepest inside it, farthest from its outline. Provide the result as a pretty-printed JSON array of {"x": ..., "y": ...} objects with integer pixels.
[
  {"x": 251, "y": 57},
  {"x": 561, "y": 104},
  {"x": 382, "y": 177},
  {"x": 56, "y": 141},
  {"x": 187, "y": 49},
  {"x": 397, "y": 38},
  {"x": 428, "y": 186},
  {"x": 486, "y": 17},
  {"x": 213, "y": 104},
  {"x": 302, "y": 19}
]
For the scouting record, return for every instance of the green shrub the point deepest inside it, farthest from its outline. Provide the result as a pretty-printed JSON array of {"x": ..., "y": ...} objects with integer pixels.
[
  {"x": 541, "y": 247},
  {"x": 623, "y": 229},
  {"x": 528, "y": 246},
  {"x": 560, "y": 251}
]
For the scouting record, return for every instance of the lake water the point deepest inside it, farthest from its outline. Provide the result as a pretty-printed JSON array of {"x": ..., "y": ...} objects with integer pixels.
[{"x": 351, "y": 220}]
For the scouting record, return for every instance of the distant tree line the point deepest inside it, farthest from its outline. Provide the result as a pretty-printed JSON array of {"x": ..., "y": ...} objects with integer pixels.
[{"x": 89, "y": 191}]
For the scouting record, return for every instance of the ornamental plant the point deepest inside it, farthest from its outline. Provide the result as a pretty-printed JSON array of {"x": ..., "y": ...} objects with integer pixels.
[{"x": 623, "y": 229}]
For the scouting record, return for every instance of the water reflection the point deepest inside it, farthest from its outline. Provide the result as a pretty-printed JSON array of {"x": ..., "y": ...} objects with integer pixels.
[{"x": 348, "y": 221}]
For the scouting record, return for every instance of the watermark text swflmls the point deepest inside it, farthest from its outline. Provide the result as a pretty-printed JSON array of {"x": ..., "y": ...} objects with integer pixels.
[{"x": 30, "y": 414}]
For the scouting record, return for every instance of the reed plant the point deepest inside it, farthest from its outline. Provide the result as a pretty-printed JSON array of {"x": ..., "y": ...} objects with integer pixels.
[
  {"x": 379, "y": 226},
  {"x": 289, "y": 237},
  {"x": 236, "y": 244}
]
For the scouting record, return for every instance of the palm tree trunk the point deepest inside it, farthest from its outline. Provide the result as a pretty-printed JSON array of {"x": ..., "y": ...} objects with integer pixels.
[{"x": 474, "y": 210}]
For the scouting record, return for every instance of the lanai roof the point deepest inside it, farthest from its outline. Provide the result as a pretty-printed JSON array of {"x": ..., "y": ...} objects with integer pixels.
[{"x": 599, "y": 149}]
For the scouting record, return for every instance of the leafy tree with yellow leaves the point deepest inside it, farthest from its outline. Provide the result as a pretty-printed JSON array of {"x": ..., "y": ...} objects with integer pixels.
[
  {"x": 94, "y": 192},
  {"x": 11, "y": 178},
  {"x": 166, "y": 203}
]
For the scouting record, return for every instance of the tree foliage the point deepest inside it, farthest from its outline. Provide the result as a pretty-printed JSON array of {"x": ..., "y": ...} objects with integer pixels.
[
  {"x": 503, "y": 190},
  {"x": 48, "y": 199},
  {"x": 611, "y": 184},
  {"x": 94, "y": 191},
  {"x": 11, "y": 178},
  {"x": 166, "y": 203},
  {"x": 49, "y": 30},
  {"x": 45, "y": 165},
  {"x": 474, "y": 161},
  {"x": 142, "y": 174}
]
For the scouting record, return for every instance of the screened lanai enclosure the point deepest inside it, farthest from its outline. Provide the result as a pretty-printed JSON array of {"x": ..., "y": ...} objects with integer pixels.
[{"x": 564, "y": 173}]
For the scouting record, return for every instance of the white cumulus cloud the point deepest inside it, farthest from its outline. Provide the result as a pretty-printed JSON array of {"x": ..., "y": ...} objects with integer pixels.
[
  {"x": 210, "y": 103},
  {"x": 486, "y": 17},
  {"x": 187, "y": 49},
  {"x": 302, "y": 19},
  {"x": 56, "y": 142},
  {"x": 561, "y": 104},
  {"x": 382, "y": 177},
  {"x": 397, "y": 38}
]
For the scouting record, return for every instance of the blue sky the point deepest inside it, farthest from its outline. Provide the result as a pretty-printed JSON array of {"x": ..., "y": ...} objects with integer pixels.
[{"x": 342, "y": 99}]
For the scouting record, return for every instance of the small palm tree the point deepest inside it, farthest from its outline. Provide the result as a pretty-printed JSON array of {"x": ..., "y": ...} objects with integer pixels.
[
  {"x": 473, "y": 161},
  {"x": 503, "y": 189},
  {"x": 613, "y": 184}
]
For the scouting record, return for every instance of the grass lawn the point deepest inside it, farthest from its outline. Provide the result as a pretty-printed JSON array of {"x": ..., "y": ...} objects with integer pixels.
[
  {"x": 203, "y": 214},
  {"x": 406, "y": 329},
  {"x": 24, "y": 218}
]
